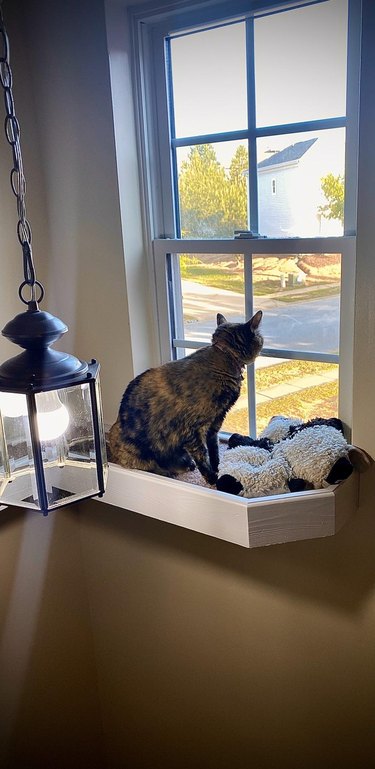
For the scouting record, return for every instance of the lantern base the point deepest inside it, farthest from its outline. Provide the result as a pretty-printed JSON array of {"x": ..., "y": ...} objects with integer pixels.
[{"x": 53, "y": 496}]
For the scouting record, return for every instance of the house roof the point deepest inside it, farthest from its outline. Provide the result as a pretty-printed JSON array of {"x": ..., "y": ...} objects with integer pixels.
[{"x": 293, "y": 152}]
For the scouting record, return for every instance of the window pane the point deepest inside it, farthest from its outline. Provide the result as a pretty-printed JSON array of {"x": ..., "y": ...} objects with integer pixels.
[
  {"x": 212, "y": 186},
  {"x": 292, "y": 388},
  {"x": 300, "y": 64},
  {"x": 295, "y": 388},
  {"x": 211, "y": 283},
  {"x": 209, "y": 81},
  {"x": 300, "y": 298},
  {"x": 301, "y": 184}
]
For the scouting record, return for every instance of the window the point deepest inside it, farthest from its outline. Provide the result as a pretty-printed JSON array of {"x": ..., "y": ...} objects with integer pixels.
[{"x": 234, "y": 144}]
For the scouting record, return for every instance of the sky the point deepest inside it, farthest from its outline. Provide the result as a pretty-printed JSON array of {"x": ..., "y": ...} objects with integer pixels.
[{"x": 300, "y": 74}]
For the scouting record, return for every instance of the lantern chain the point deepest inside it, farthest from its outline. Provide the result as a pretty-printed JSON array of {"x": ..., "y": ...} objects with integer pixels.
[{"x": 17, "y": 178}]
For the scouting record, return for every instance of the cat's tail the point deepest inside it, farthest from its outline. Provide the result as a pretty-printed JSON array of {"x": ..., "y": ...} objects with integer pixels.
[
  {"x": 118, "y": 451},
  {"x": 126, "y": 454}
]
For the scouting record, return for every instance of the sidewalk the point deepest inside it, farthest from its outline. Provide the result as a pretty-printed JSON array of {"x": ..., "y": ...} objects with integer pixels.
[{"x": 294, "y": 385}]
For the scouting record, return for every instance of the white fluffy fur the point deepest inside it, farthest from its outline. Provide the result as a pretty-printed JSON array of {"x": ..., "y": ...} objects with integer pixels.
[
  {"x": 278, "y": 427},
  {"x": 312, "y": 452},
  {"x": 309, "y": 454},
  {"x": 260, "y": 473}
]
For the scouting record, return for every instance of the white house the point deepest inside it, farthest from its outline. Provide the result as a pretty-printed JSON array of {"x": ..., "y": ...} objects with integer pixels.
[{"x": 290, "y": 193}]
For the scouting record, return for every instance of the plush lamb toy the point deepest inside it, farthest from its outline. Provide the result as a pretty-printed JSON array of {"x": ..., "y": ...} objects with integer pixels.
[{"x": 289, "y": 456}]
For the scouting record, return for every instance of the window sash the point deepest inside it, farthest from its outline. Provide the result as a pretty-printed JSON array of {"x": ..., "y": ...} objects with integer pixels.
[
  {"x": 250, "y": 134},
  {"x": 153, "y": 85},
  {"x": 169, "y": 301}
]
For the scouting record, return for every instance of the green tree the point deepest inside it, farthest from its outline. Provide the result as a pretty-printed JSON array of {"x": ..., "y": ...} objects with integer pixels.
[
  {"x": 202, "y": 182},
  {"x": 334, "y": 191},
  {"x": 238, "y": 166},
  {"x": 213, "y": 203},
  {"x": 235, "y": 193}
]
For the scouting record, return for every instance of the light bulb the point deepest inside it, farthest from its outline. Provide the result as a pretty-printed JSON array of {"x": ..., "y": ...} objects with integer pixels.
[{"x": 52, "y": 416}]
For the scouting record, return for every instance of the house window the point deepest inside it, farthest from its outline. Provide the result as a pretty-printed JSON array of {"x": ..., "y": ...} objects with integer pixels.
[{"x": 217, "y": 123}]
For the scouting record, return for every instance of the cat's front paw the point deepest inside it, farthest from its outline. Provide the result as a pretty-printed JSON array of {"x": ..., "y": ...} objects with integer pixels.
[
  {"x": 186, "y": 463},
  {"x": 211, "y": 477}
]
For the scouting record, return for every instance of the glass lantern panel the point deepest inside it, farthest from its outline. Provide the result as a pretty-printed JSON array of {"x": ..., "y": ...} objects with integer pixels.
[
  {"x": 17, "y": 473},
  {"x": 66, "y": 432}
]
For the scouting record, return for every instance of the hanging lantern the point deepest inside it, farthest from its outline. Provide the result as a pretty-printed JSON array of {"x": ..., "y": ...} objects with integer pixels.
[{"x": 52, "y": 440}]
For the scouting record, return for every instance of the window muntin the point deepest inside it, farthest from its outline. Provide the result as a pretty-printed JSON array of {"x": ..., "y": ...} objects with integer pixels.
[{"x": 298, "y": 293}]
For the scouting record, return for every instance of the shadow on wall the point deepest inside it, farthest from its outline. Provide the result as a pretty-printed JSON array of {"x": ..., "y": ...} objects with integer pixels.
[{"x": 338, "y": 571}]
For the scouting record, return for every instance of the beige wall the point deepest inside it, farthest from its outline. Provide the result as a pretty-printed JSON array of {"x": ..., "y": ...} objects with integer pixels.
[
  {"x": 215, "y": 657},
  {"x": 49, "y": 705},
  {"x": 64, "y": 104},
  {"x": 127, "y": 642}
]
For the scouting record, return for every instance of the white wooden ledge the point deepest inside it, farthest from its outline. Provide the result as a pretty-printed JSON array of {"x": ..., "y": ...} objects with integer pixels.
[{"x": 247, "y": 522}]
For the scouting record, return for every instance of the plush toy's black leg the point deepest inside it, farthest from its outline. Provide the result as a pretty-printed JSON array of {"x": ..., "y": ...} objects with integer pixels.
[
  {"x": 239, "y": 440},
  {"x": 229, "y": 484}
]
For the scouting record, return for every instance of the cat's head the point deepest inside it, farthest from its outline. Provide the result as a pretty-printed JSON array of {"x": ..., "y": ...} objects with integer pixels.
[{"x": 242, "y": 338}]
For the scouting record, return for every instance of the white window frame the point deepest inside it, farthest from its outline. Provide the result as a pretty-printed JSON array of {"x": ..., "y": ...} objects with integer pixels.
[{"x": 158, "y": 148}]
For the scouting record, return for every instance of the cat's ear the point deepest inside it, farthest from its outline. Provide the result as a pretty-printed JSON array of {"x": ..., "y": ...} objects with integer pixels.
[
  {"x": 220, "y": 319},
  {"x": 255, "y": 320}
]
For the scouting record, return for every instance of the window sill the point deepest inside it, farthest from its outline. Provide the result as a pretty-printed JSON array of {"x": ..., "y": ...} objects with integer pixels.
[{"x": 246, "y": 522}]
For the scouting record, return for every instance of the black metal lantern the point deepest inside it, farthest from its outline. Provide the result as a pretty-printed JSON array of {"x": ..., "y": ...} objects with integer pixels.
[{"x": 52, "y": 440}]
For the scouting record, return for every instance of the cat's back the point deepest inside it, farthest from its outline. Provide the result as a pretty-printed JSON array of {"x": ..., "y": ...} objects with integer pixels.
[
  {"x": 170, "y": 379},
  {"x": 195, "y": 379}
]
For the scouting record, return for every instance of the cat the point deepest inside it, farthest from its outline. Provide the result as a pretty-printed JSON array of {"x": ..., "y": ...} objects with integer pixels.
[{"x": 170, "y": 416}]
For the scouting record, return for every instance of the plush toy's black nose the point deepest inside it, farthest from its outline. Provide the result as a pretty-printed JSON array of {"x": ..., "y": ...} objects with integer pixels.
[
  {"x": 340, "y": 470},
  {"x": 299, "y": 484}
]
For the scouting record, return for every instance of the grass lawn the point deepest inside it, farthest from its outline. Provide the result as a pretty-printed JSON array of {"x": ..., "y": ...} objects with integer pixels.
[
  {"x": 287, "y": 371},
  {"x": 219, "y": 277},
  {"x": 319, "y": 400},
  {"x": 216, "y": 277}
]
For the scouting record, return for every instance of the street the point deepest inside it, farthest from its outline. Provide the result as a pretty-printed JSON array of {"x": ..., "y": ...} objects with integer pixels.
[{"x": 307, "y": 325}]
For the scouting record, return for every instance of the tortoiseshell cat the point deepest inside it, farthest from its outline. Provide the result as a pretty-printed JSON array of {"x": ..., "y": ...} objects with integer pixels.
[{"x": 170, "y": 416}]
